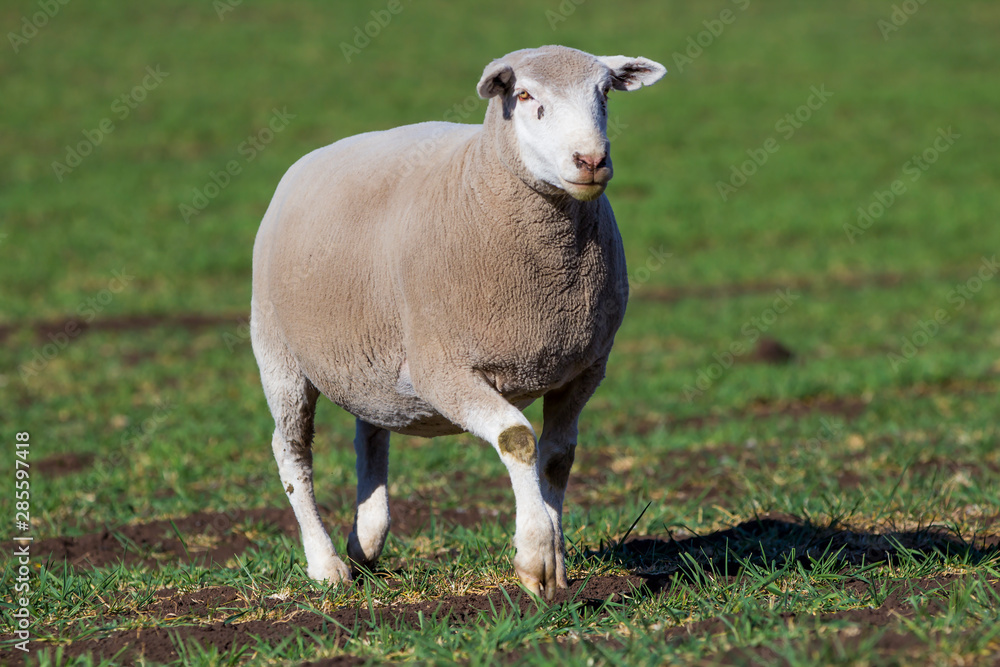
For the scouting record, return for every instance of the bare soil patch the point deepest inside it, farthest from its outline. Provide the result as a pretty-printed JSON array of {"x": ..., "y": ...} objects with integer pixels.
[
  {"x": 159, "y": 643},
  {"x": 772, "y": 351},
  {"x": 411, "y": 517},
  {"x": 58, "y": 465},
  {"x": 658, "y": 564},
  {"x": 158, "y": 541},
  {"x": 689, "y": 474},
  {"x": 672, "y": 294},
  {"x": 843, "y": 407},
  {"x": 202, "y": 603},
  {"x": 216, "y": 537},
  {"x": 189, "y": 321}
]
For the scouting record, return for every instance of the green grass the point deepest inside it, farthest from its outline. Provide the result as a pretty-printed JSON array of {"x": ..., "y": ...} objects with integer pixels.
[{"x": 172, "y": 420}]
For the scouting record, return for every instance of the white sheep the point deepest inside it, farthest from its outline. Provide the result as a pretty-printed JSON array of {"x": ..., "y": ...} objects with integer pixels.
[{"x": 448, "y": 295}]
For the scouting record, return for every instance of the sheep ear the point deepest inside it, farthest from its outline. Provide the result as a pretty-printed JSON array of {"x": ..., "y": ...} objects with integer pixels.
[
  {"x": 498, "y": 78},
  {"x": 632, "y": 73}
]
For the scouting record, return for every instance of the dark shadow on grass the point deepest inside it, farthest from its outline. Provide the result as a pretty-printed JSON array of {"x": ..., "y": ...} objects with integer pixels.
[{"x": 770, "y": 541}]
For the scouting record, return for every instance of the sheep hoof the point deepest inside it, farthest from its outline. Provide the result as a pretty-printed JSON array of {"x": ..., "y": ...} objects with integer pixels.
[
  {"x": 531, "y": 584},
  {"x": 538, "y": 574},
  {"x": 358, "y": 555},
  {"x": 331, "y": 571}
]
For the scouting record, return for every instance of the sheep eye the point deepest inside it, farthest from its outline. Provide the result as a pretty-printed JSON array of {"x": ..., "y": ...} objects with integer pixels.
[{"x": 523, "y": 96}]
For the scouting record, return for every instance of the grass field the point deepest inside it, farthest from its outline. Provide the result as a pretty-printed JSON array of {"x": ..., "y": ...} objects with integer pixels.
[{"x": 793, "y": 460}]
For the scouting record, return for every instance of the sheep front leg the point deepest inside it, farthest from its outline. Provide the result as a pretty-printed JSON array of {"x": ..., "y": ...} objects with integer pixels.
[
  {"x": 556, "y": 450},
  {"x": 468, "y": 400},
  {"x": 371, "y": 522},
  {"x": 536, "y": 561}
]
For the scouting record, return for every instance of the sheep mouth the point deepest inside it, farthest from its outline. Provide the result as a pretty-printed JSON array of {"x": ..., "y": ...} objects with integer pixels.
[
  {"x": 584, "y": 191},
  {"x": 601, "y": 177}
]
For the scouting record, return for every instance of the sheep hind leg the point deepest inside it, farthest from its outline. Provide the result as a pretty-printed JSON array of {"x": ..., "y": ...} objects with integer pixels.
[
  {"x": 371, "y": 522},
  {"x": 293, "y": 452}
]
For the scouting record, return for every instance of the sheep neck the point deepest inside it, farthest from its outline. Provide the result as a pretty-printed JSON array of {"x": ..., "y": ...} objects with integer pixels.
[{"x": 493, "y": 169}]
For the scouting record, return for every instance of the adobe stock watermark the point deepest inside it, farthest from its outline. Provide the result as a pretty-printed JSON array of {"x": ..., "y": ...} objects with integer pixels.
[
  {"x": 87, "y": 310},
  {"x": 563, "y": 11},
  {"x": 132, "y": 438},
  {"x": 900, "y": 14},
  {"x": 913, "y": 168},
  {"x": 140, "y": 434},
  {"x": 30, "y": 25},
  {"x": 248, "y": 150},
  {"x": 958, "y": 297},
  {"x": 121, "y": 108},
  {"x": 656, "y": 259},
  {"x": 422, "y": 151},
  {"x": 697, "y": 43},
  {"x": 750, "y": 333},
  {"x": 364, "y": 35},
  {"x": 615, "y": 128},
  {"x": 786, "y": 127},
  {"x": 241, "y": 335},
  {"x": 223, "y": 7},
  {"x": 20, "y": 564},
  {"x": 296, "y": 276},
  {"x": 829, "y": 429}
]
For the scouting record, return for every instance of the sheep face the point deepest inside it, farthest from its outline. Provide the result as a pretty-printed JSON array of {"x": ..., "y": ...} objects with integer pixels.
[{"x": 555, "y": 100}]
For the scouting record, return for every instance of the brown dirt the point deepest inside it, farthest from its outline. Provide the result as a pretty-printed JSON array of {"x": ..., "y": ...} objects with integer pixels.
[
  {"x": 944, "y": 468},
  {"x": 339, "y": 661},
  {"x": 659, "y": 565},
  {"x": 689, "y": 474},
  {"x": 846, "y": 407},
  {"x": 771, "y": 351},
  {"x": 58, "y": 465},
  {"x": 159, "y": 643},
  {"x": 204, "y": 603},
  {"x": 672, "y": 294},
  {"x": 411, "y": 517},
  {"x": 188, "y": 321},
  {"x": 156, "y": 541},
  {"x": 770, "y": 537}
]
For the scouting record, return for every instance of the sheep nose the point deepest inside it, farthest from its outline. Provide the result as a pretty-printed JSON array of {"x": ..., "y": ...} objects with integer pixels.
[{"x": 590, "y": 162}]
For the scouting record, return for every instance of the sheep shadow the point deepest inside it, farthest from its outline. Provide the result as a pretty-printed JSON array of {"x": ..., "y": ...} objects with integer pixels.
[{"x": 783, "y": 541}]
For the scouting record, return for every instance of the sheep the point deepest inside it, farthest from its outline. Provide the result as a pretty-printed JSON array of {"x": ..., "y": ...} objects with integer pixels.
[{"x": 447, "y": 296}]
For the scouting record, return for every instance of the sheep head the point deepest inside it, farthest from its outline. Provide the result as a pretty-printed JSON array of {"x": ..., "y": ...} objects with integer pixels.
[{"x": 555, "y": 99}]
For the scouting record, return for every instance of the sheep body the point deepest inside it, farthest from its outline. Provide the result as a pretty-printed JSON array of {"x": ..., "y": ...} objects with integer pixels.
[{"x": 356, "y": 260}]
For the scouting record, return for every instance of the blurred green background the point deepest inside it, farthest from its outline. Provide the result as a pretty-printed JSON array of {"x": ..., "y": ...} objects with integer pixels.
[{"x": 123, "y": 313}]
